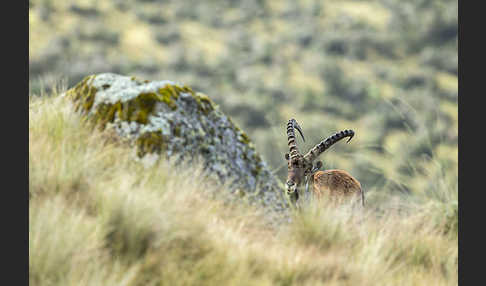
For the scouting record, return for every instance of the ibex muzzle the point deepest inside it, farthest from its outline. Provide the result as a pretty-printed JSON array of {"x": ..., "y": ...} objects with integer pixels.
[{"x": 331, "y": 182}]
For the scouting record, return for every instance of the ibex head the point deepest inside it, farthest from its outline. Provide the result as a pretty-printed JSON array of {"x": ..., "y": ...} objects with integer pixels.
[{"x": 299, "y": 166}]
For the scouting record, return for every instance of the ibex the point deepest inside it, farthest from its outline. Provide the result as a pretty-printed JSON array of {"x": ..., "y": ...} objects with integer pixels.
[{"x": 334, "y": 184}]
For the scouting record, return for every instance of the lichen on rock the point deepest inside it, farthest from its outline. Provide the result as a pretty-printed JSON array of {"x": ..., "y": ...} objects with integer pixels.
[{"x": 167, "y": 118}]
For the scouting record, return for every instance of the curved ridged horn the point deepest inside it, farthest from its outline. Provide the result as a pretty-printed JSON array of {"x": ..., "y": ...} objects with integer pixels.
[
  {"x": 328, "y": 142},
  {"x": 291, "y": 137}
]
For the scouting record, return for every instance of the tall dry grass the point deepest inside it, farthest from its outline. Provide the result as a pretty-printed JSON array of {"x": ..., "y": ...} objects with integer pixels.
[{"x": 98, "y": 217}]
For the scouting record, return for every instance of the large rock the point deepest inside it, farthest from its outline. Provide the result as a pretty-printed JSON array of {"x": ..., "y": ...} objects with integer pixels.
[{"x": 163, "y": 118}]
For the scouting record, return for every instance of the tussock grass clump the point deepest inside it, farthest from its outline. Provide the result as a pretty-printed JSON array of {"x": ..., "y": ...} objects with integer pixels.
[
  {"x": 98, "y": 217},
  {"x": 401, "y": 244},
  {"x": 67, "y": 247},
  {"x": 64, "y": 152},
  {"x": 60, "y": 237}
]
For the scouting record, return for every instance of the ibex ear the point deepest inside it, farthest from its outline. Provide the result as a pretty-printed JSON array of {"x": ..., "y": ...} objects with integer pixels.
[
  {"x": 287, "y": 156},
  {"x": 318, "y": 165}
]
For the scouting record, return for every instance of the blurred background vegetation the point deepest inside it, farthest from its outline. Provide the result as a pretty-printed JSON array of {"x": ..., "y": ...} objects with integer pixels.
[{"x": 386, "y": 69}]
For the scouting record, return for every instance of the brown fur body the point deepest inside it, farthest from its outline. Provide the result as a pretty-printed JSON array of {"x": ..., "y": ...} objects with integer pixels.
[{"x": 337, "y": 185}]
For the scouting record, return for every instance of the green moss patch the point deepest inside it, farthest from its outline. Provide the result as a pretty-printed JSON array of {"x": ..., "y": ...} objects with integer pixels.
[
  {"x": 243, "y": 138},
  {"x": 168, "y": 95},
  {"x": 139, "y": 108},
  {"x": 105, "y": 113},
  {"x": 151, "y": 142},
  {"x": 206, "y": 105},
  {"x": 83, "y": 95},
  {"x": 176, "y": 131}
]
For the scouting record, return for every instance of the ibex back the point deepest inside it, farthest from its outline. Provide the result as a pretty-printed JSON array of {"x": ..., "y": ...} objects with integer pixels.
[{"x": 335, "y": 185}]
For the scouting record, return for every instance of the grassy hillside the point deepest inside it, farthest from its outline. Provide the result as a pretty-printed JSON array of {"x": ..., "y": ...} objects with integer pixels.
[
  {"x": 385, "y": 68},
  {"x": 97, "y": 217}
]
